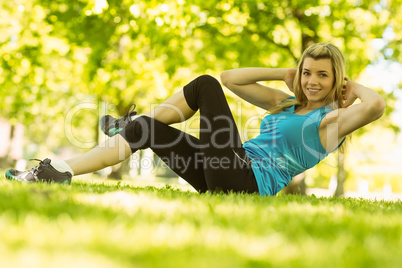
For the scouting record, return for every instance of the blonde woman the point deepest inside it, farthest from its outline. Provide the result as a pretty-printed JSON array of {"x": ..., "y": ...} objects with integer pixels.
[{"x": 299, "y": 132}]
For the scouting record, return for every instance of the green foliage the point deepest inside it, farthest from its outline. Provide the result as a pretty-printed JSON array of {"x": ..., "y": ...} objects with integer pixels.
[
  {"x": 108, "y": 224},
  {"x": 392, "y": 50}
]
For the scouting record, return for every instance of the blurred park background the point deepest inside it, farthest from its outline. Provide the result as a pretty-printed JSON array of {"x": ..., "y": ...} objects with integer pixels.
[{"x": 64, "y": 64}]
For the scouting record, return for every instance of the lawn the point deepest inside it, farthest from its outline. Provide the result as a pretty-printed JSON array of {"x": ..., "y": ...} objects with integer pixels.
[{"x": 94, "y": 223}]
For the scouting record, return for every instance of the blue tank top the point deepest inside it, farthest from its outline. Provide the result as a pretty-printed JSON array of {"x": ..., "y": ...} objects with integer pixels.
[{"x": 288, "y": 145}]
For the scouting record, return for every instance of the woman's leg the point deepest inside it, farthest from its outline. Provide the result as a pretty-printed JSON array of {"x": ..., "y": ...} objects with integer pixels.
[
  {"x": 176, "y": 149},
  {"x": 109, "y": 153},
  {"x": 116, "y": 149},
  {"x": 174, "y": 110},
  {"x": 226, "y": 164}
]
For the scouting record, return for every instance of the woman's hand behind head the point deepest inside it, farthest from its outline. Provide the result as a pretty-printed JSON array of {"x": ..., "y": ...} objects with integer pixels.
[
  {"x": 348, "y": 94},
  {"x": 290, "y": 77}
]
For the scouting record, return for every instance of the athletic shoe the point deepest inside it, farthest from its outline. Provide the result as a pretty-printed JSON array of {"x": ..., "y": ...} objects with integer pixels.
[
  {"x": 111, "y": 126},
  {"x": 44, "y": 172}
]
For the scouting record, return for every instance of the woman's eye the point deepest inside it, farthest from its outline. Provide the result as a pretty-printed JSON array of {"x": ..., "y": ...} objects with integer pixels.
[{"x": 305, "y": 73}]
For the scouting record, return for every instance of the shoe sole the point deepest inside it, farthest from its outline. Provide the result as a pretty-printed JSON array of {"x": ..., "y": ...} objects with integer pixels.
[
  {"x": 68, "y": 182},
  {"x": 103, "y": 129},
  {"x": 109, "y": 132},
  {"x": 10, "y": 177}
]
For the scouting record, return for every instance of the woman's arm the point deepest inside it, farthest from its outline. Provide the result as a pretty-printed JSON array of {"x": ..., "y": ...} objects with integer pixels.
[
  {"x": 243, "y": 82},
  {"x": 353, "y": 117}
]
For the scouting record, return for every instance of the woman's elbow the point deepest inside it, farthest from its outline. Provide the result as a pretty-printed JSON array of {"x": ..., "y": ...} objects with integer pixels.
[
  {"x": 378, "y": 108},
  {"x": 225, "y": 78}
]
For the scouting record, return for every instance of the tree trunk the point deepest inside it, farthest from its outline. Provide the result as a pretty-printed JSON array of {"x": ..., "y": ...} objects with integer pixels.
[
  {"x": 5, "y": 160},
  {"x": 341, "y": 175}
]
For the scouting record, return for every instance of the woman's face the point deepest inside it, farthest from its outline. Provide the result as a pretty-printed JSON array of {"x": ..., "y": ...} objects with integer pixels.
[{"x": 317, "y": 80}]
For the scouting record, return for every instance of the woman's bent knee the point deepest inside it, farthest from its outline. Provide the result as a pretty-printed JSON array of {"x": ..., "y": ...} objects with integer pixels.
[{"x": 208, "y": 79}]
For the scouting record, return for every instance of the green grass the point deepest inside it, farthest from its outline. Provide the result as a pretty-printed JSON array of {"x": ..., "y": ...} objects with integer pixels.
[{"x": 108, "y": 224}]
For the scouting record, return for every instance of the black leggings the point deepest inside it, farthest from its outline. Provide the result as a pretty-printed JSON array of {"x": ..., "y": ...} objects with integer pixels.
[{"x": 216, "y": 161}]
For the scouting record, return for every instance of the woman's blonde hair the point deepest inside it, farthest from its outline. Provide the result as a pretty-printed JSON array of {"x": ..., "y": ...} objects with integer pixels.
[{"x": 318, "y": 51}]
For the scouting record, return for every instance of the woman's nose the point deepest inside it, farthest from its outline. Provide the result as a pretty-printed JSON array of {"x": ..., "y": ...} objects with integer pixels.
[{"x": 312, "y": 80}]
